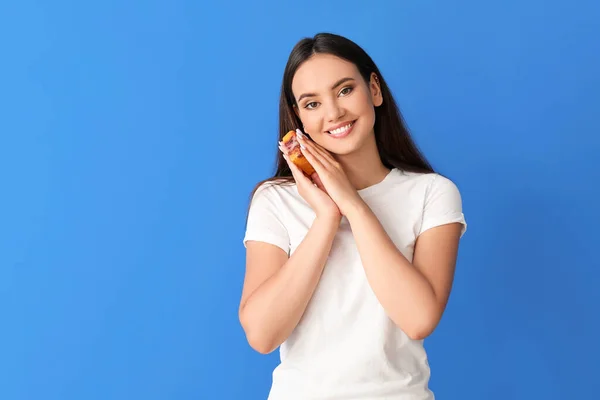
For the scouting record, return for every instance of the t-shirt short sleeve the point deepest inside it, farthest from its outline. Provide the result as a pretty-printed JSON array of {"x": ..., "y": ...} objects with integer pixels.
[
  {"x": 443, "y": 205},
  {"x": 264, "y": 221}
]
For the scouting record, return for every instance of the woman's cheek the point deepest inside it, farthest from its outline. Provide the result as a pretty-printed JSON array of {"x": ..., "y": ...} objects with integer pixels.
[{"x": 311, "y": 125}]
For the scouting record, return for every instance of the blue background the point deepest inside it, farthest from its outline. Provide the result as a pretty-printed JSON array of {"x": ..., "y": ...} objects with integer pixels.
[{"x": 132, "y": 133}]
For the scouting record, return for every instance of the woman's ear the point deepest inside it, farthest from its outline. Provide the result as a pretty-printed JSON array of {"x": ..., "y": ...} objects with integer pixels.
[{"x": 375, "y": 87}]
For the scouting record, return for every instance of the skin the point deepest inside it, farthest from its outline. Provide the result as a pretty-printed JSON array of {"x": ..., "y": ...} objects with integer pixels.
[{"x": 277, "y": 289}]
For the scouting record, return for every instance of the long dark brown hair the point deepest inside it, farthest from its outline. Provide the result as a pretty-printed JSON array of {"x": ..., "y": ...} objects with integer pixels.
[{"x": 394, "y": 143}]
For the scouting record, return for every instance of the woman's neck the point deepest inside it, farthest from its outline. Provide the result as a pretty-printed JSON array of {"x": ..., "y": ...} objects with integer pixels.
[{"x": 364, "y": 167}]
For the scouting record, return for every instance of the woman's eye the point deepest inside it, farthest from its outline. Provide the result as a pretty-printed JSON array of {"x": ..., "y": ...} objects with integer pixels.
[
  {"x": 311, "y": 105},
  {"x": 345, "y": 91}
]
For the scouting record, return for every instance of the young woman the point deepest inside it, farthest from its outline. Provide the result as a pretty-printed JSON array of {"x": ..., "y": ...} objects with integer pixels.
[{"x": 348, "y": 270}]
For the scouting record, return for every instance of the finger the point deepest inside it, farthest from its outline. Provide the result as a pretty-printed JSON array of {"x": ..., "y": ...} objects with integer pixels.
[
  {"x": 283, "y": 148},
  {"x": 320, "y": 154},
  {"x": 317, "y": 148},
  {"x": 285, "y": 154},
  {"x": 315, "y": 161},
  {"x": 298, "y": 175},
  {"x": 317, "y": 180}
]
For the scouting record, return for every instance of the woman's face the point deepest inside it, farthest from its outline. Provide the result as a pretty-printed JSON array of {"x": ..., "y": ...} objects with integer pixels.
[{"x": 334, "y": 103}]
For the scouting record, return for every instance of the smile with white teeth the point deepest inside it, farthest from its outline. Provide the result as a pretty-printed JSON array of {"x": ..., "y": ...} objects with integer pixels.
[{"x": 342, "y": 129}]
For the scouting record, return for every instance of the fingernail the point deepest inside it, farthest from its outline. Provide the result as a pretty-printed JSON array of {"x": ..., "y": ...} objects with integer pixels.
[
  {"x": 299, "y": 133},
  {"x": 302, "y": 146}
]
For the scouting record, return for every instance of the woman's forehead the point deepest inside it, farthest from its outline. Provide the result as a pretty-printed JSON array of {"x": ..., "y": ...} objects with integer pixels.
[{"x": 320, "y": 72}]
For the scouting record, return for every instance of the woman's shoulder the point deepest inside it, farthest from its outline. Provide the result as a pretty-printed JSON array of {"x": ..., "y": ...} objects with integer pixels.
[
  {"x": 423, "y": 185},
  {"x": 437, "y": 195},
  {"x": 275, "y": 188},
  {"x": 427, "y": 180},
  {"x": 277, "y": 195}
]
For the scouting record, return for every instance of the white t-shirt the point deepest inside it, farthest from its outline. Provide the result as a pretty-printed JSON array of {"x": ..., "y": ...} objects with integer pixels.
[{"x": 345, "y": 346}]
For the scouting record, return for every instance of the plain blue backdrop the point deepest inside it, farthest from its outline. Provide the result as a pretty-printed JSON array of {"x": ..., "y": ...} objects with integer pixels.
[{"x": 131, "y": 134}]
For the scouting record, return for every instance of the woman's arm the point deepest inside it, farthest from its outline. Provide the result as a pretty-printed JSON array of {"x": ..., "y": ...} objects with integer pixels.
[
  {"x": 277, "y": 289},
  {"x": 414, "y": 295}
]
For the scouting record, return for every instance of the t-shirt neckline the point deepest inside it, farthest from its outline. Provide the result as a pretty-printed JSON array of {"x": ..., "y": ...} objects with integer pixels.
[{"x": 370, "y": 190}]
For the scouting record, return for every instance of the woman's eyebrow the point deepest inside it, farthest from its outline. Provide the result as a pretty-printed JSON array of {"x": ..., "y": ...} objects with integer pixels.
[{"x": 338, "y": 83}]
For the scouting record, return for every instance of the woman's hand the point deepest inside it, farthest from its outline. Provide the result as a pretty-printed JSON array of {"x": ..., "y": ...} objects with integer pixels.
[
  {"x": 313, "y": 191},
  {"x": 332, "y": 175}
]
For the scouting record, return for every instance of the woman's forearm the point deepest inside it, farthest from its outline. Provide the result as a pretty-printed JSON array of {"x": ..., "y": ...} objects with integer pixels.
[
  {"x": 404, "y": 293},
  {"x": 274, "y": 309}
]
